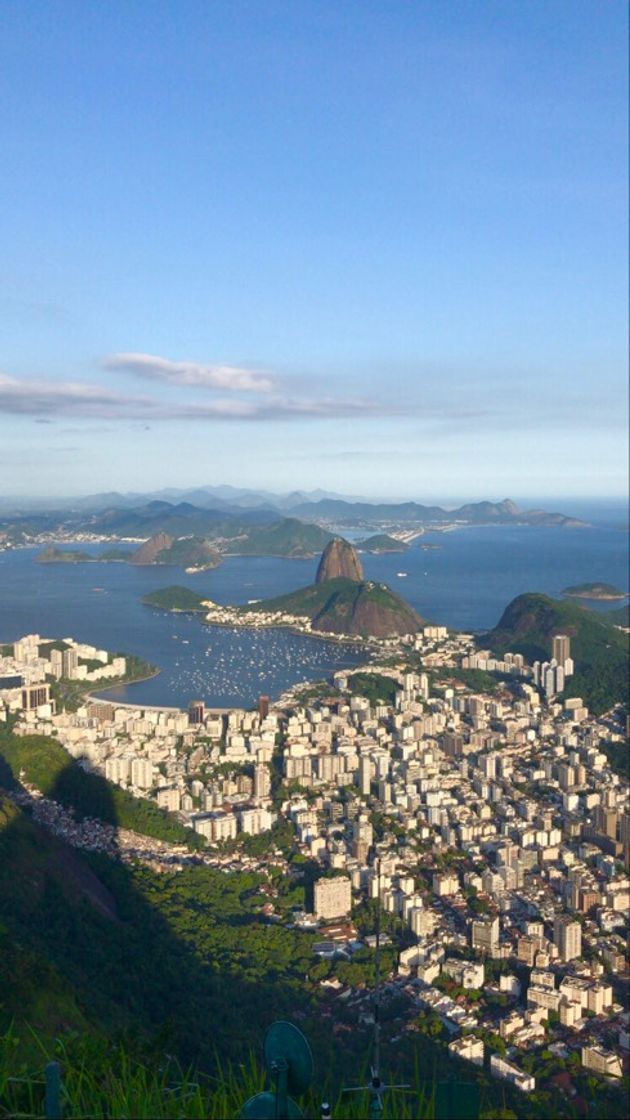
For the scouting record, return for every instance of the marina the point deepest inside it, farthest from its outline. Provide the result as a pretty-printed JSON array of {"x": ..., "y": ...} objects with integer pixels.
[{"x": 465, "y": 585}]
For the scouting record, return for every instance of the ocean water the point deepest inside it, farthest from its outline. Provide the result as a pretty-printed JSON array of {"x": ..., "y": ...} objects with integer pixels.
[{"x": 465, "y": 583}]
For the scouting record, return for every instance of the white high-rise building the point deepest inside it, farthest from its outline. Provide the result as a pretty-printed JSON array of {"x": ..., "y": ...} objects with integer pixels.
[{"x": 567, "y": 937}]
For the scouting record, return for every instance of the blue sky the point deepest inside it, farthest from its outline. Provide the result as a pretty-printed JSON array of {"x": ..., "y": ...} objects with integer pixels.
[{"x": 378, "y": 247}]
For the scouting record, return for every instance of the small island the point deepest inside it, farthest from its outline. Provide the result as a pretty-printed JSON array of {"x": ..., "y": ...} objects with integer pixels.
[
  {"x": 176, "y": 598},
  {"x": 601, "y": 592},
  {"x": 382, "y": 542}
]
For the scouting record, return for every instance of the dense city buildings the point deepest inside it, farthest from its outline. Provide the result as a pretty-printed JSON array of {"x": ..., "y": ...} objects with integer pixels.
[{"x": 489, "y": 825}]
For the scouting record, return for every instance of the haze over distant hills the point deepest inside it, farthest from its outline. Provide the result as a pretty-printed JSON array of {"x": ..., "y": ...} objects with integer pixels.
[{"x": 197, "y": 511}]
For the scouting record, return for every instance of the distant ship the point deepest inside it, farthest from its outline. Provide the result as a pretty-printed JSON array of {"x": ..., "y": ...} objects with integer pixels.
[{"x": 401, "y": 574}]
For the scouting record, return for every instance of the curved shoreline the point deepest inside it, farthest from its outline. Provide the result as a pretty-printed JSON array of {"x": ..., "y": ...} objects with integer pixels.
[{"x": 239, "y": 624}]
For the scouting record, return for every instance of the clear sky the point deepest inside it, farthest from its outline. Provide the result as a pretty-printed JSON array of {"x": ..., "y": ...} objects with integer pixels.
[{"x": 378, "y": 247}]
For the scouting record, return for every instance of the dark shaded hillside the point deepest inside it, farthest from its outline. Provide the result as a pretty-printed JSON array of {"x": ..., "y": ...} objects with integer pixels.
[
  {"x": 600, "y": 651},
  {"x": 184, "y": 964},
  {"x": 620, "y": 616},
  {"x": 90, "y": 943},
  {"x": 181, "y": 519}
]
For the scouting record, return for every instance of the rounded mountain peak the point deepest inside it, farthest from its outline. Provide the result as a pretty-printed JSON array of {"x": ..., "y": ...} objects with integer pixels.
[{"x": 339, "y": 561}]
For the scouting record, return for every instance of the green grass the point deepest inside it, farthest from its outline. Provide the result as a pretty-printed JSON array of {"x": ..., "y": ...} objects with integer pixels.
[
  {"x": 309, "y": 601},
  {"x": 104, "y": 1080}
]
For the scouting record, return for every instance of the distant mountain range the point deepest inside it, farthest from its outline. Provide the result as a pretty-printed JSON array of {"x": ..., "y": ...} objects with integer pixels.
[
  {"x": 205, "y": 497},
  {"x": 220, "y": 517},
  {"x": 342, "y": 512}
]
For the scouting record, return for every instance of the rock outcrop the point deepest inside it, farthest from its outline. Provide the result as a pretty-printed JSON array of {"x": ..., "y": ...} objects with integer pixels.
[
  {"x": 339, "y": 561},
  {"x": 149, "y": 551}
]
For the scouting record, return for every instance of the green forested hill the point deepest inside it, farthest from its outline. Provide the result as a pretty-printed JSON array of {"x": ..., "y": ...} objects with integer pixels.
[
  {"x": 175, "y": 598},
  {"x": 344, "y": 606},
  {"x": 190, "y": 552},
  {"x": 598, "y": 648},
  {"x": 288, "y": 537}
]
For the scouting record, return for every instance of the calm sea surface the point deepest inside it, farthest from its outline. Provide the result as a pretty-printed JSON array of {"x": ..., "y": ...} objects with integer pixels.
[{"x": 464, "y": 583}]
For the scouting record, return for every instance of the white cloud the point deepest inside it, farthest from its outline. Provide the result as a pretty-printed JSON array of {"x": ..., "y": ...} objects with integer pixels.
[
  {"x": 42, "y": 399},
  {"x": 33, "y": 397},
  {"x": 154, "y": 368}
]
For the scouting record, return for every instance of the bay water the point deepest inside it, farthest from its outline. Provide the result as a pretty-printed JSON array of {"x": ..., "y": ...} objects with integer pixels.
[{"x": 464, "y": 583}]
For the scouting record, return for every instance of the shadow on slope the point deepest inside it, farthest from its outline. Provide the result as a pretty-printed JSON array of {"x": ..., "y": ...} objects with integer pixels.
[{"x": 169, "y": 957}]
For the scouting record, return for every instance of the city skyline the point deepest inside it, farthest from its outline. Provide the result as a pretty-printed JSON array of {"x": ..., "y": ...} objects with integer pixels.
[{"x": 377, "y": 249}]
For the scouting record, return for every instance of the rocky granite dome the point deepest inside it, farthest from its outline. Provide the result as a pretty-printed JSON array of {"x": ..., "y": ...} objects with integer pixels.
[
  {"x": 150, "y": 550},
  {"x": 339, "y": 561}
]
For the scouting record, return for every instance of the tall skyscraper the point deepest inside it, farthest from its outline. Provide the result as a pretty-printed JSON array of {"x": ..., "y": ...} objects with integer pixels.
[
  {"x": 262, "y": 781},
  {"x": 485, "y": 934},
  {"x": 365, "y": 775},
  {"x": 196, "y": 712},
  {"x": 70, "y": 661},
  {"x": 567, "y": 937},
  {"x": 560, "y": 648}
]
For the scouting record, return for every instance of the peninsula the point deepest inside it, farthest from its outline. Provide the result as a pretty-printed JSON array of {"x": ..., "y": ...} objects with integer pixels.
[{"x": 340, "y": 602}]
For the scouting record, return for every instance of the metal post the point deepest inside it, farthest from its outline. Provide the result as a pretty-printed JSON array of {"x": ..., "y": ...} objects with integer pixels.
[
  {"x": 280, "y": 1068},
  {"x": 52, "y": 1099},
  {"x": 376, "y": 1101}
]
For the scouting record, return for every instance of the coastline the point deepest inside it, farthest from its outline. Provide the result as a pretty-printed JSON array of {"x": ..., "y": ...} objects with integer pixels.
[
  {"x": 592, "y": 597},
  {"x": 241, "y": 624}
]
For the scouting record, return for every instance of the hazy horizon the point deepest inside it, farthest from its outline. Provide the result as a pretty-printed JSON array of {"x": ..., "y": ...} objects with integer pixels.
[{"x": 552, "y": 502}]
